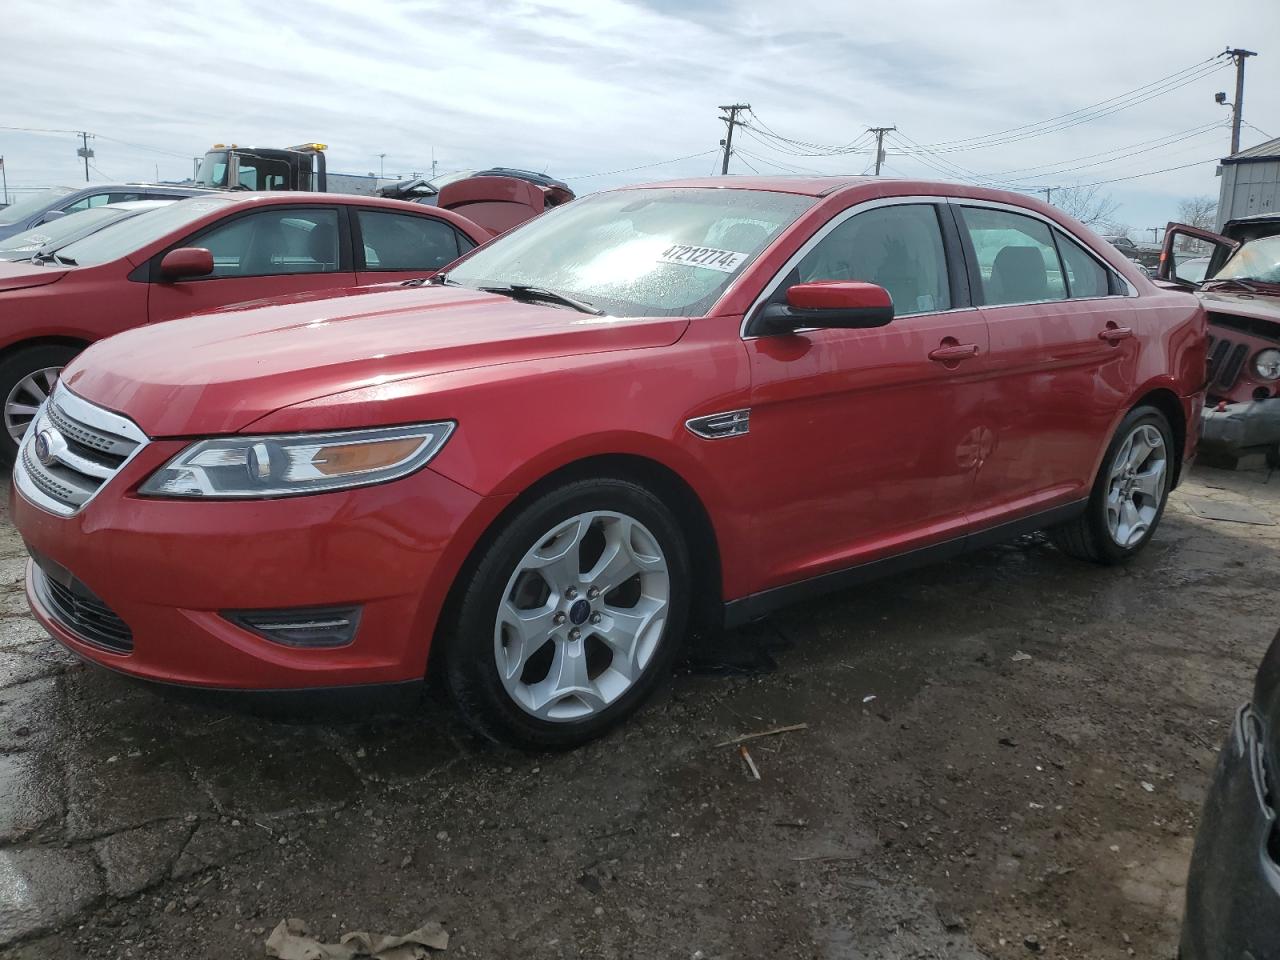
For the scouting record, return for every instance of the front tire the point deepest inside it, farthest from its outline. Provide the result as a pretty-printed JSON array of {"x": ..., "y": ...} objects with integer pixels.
[
  {"x": 27, "y": 376},
  {"x": 1129, "y": 494},
  {"x": 571, "y": 617}
]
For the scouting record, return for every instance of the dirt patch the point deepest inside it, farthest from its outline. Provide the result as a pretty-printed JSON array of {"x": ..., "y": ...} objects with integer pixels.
[{"x": 1005, "y": 754}]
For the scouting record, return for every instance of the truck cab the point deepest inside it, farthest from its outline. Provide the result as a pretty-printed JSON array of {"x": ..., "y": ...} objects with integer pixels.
[{"x": 232, "y": 167}]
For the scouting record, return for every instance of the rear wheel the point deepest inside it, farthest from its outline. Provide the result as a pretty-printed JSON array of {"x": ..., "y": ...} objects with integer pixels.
[
  {"x": 571, "y": 617},
  {"x": 27, "y": 377},
  {"x": 1129, "y": 494}
]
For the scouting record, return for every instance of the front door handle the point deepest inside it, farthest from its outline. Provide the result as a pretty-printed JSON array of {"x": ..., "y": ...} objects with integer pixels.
[
  {"x": 1114, "y": 334},
  {"x": 953, "y": 352}
]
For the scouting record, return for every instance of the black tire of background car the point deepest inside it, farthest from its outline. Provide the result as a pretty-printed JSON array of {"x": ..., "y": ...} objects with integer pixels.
[
  {"x": 1273, "y": 457},
  {"x": 470, "y": 671},
  {"x": 22, "y": 363},
  {"x": 1087, "y": 537}
]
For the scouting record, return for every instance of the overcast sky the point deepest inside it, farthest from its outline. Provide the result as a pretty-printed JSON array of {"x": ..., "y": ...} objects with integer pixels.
[{"x": 582, "y": 88}]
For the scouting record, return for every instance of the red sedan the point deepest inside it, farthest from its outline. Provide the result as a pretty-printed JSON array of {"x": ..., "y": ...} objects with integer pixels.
[
  {"x": 195, "y": 256},
  {"x": 691, "y": 400}
]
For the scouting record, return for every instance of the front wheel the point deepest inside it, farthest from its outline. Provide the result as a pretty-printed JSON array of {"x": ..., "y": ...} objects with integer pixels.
[
  {"x": 27, "y": 377},
  {"x": 1129, "y": 495},
  {"x": 571, "y": 617}
]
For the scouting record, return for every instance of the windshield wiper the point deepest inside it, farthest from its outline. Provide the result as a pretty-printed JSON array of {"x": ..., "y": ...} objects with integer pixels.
[
  {"x": 65, "y": 261},
  {"x": 523, "y": 291},
  {"x": 436, "y": 279},
  {"x": 1234, "y": 281}
]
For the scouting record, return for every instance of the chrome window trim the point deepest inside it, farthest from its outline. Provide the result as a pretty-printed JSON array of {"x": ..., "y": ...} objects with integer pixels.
[
  {"x": 91, "y": 415},
  {"x": 822, "y": 233},
  {"x": 1052, "y": 224}
]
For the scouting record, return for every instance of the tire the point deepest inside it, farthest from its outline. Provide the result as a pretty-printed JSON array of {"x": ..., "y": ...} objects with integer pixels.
[
  {"x": 1095, "y": 535},
  {"x": 586, "y": 673},
  {"x": 43, "y": 363},
  {"x": 1273, "y": 457}
]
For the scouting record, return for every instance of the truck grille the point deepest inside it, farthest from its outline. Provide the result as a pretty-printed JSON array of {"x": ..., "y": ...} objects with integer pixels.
[
  {"x": 1226, "y": 360},
  {"x": 78, "y": 609},
  {"x": 71, "y": 451}
]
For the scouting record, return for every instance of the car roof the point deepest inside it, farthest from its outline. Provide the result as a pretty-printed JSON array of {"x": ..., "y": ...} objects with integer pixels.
[{"x": 827, "y": 186}]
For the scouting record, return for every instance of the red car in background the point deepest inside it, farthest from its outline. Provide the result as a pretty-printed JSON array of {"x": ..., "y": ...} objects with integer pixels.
[
  {"x": 691, "y": 400},
  {"x": 195, "y": 256}
]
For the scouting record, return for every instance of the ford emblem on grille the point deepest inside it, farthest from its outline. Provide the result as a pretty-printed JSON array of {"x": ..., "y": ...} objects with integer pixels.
[{"x": 47, "y": 443}]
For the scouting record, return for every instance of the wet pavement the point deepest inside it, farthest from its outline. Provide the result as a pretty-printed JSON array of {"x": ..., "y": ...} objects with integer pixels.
[{"x": 1004, "y": 754}]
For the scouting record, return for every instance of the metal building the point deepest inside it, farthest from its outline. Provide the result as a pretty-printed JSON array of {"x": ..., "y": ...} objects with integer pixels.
[{"x": 1250, "y": 182}]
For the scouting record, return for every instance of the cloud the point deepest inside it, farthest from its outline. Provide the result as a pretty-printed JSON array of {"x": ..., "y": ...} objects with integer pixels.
[{"x": 595, "y": 85}]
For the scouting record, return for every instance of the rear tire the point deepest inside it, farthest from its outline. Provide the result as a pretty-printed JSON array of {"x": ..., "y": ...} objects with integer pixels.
[
  {"x": 570, "y": 618},
  {"x": 1273, "y": 457},
  {"x": 1129, "y": 494},
  {"x": 26, "y": 378}
]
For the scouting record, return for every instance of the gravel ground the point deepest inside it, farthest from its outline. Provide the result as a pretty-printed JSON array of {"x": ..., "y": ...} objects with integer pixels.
[{"x": 1004, "y": 755}]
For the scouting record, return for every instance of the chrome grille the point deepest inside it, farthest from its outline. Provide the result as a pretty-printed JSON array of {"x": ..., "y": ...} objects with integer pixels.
[{"x": 71, "y": 451}]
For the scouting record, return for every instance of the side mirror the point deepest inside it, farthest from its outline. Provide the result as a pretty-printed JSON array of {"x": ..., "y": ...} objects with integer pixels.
[
  {"x": 186, "y": 262},
  {"x": 850, "y": 304}
]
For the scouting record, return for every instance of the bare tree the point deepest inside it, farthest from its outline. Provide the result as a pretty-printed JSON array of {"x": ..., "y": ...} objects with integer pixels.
[
  {"x": 1199, "y": 212},
  {"x": 1114, "y": 228},
  {"x": 1086, "y": 204}
]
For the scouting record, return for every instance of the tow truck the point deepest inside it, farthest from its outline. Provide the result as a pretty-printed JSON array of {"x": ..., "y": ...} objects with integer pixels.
[{"x": 232, "y": 167}]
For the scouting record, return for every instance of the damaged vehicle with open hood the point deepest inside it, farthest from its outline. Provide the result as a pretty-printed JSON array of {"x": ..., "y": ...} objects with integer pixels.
[{"x": 1240, "y": 290}]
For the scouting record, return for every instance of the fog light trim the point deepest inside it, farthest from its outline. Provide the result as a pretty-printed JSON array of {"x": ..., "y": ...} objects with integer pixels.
[{"x": 312, "y": 627}]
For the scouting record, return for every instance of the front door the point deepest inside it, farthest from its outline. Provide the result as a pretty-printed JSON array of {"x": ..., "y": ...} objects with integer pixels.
[
  {"x": 867, "y": 441},
  {"x": 269, "y": 252}
]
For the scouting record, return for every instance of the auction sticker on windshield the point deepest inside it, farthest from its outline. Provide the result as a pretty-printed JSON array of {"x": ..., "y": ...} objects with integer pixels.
[{"x": 726, "y": 261}]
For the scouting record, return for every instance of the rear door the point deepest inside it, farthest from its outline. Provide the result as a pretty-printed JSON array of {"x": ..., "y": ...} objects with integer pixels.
[
  {"x": 1063, "y": 358},
  {"x": 391, "y": 245},
  {"x": 267, "y": 252}
]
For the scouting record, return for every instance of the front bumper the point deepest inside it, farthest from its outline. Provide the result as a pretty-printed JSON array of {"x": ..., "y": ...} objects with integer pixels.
[
  {"x": 1233, "y": 888},
  {"x": 168, "y": 568},
  {"x": 1241, "y": 428}
]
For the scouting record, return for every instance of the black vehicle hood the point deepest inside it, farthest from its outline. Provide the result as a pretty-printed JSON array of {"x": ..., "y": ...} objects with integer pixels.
[{"x": 1266, "y": 701}]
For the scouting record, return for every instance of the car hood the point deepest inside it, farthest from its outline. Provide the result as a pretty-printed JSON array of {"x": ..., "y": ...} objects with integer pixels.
[
  {"x": 1263, "y": 306},
  {"x": 19, "y": 276},
  {"x": 219, "y": 372}
]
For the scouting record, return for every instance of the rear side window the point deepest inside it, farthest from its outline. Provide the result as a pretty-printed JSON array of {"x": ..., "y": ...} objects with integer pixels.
[
  {"x": 274, "y": 242},
  {"x": 399, "y": 241},
  {"x": 1085, "y": 276},
  {"x": 898, "y": 247},
  {"x": 1017, "y": 261}
]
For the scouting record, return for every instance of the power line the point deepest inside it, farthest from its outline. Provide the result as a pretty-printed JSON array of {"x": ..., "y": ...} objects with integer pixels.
[
  {"x": 643, "y": 166},
  {"x": 1179, "y": 77}
]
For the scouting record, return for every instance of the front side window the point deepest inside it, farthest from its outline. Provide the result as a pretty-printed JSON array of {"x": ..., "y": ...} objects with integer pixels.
[
  {"x": 93, "y": 200},
  {"x": 1085, "y": 276},
  {"x": 634, "y": 253},
  {"x": 897, "y": 247},
  {"x": 398, "y": 241},
  {"x": 21, "y": 209},
  {"x": 273, "y": 242},
  {"x": 1017, "y": 261}
]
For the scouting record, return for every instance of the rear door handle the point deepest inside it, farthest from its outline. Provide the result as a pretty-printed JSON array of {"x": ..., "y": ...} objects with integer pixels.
[
  {"x": 952, "y": 352},
  {"x": 1115, "y": 334}
]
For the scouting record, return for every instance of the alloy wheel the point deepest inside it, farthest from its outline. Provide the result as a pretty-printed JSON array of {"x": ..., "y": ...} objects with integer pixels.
[
  {"x": 25, "y": 398},
  {"x": 1136, "y": 487},
  {"x": 582, "y": 616}
]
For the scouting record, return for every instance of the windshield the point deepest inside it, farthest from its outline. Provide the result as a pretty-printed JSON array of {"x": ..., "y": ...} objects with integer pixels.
[
  {"x": 120, "y": 239},
  {"x": 638, "y": 253},
  {"x": 1256, "y": 260},
  {"x": 57, "y": 230},
  {"x": 213, "y": 169},
  {"x": 33, "y": 204}
]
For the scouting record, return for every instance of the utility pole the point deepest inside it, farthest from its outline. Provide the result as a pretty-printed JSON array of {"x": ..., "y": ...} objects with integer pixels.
[
  {"x": 1048, "y": 193},
  {"x": 381, "y": 165},
  {"x": 1155, "y": 233},
  {"x": 880, "y": 132},
  {"x": 732, "y": 120},
  {"x": 4, "y": 178},
  {"x": 85, "y": 152},
  {"x": 1239, "y": 55}
]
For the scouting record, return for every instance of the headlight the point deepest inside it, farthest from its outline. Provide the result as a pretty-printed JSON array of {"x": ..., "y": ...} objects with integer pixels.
[
  {"x": 1267, "y": 364},
  {"x": 285, "y": 466}
]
